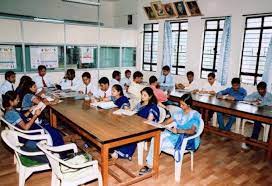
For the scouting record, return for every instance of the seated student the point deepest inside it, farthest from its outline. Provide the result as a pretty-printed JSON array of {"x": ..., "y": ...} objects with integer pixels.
[
  {"x": 147, "y": 109},
  {"x": 210, "y": 87},
  {"x": 26, "y": 121},
  {"x": 117, "y": 96},
  {"x": 19, "y": 89},
  {"x": 135, "y": 88},
  {"x": 42, "y": 79},
  {"x": 125, "y": 82},
  {"x": 234, "y": 93},
  {"x": 160, "y": 95},
  {"x": 105, "y": 90},
  {"x": 166, "y": 79},
  {"x": 261, "y": 98},
  {"x": 186, "y": 123},
  {"x": 69, "y": 81},
  {"x": 8, "y": 85},
  {"x": 116, "y": 77},
  {"x": 87, "y": 87},
  {"x": 191, "y": 85}
]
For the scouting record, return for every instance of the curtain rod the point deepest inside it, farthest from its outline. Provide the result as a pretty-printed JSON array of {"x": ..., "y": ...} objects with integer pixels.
[
  {"x": 248, "y": 15},
  {"x": 217, "y": 17}
]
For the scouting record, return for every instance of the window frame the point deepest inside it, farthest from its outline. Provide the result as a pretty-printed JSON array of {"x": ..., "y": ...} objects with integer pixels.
[
  {"x": 215, "y": 47},
  {"x": 151, "y": 50},
  {"x": 261, "y": 29},
  {"x": 177, "y": 66}
]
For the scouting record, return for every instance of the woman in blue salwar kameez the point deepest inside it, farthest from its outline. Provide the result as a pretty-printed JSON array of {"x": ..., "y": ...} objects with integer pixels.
[{"x": 147, "y": 109}]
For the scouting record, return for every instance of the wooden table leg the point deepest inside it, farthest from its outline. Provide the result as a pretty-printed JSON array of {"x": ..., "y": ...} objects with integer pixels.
[
  {"x": 156, "y": 157},
  {"x": 53, "y": 119},
  {"x": 105, "y": 164},
  {"x": 269, "y": 151}
]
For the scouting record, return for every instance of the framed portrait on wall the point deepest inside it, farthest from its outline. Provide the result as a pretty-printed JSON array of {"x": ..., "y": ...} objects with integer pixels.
[
  {"x": 170, "y": 10},
  {"x": 181, "y": 9},
  {"x": 159, "y": 10},
  {"x": 149, "y": 13},
  {"x": 193, "y": 8}
]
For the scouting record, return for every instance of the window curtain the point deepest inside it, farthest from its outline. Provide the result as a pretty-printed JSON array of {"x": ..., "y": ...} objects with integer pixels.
[
  {"x": 223, "y": 68},
  {"x": 267, "y": 75},
  {"x": 167, "y": 44}
]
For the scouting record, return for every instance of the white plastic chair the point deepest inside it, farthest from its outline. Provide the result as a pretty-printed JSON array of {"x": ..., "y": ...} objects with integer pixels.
[
  {"x": 141, "y": 146},
  {"x": 11, "y": 139},
  {"x": 178, "y": 165},
  {"x": 80, "y": 174},
  {"x": 265, "y": 126}
]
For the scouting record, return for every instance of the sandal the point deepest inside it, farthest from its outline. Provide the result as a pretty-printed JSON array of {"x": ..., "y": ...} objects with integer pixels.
[{"x": 144, "y": 170}]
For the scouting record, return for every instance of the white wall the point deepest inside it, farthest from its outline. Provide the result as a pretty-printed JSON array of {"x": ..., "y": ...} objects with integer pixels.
[{"x": 209, "y": 8}]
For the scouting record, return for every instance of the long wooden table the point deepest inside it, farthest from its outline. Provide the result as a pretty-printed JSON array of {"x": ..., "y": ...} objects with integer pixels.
[
  {"x": 238, "y": 109},
  {"x": 107, "y": 131}
]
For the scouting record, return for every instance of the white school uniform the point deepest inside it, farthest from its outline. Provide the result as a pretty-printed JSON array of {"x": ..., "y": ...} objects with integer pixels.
[
  {"x": 125, "y": 81},
  {"x": 103, "y": 94},
  {"x": 6, "y": 86},
  {"x": 214, "y": 87},
  {"x": 70, "y": 84},
  {"x": 86, "y": 89},
  {"x": 39, "y": 82}
]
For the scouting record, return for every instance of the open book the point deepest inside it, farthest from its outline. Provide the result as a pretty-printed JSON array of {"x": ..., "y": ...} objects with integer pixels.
[
  {"x": 41, "y": 106},
  {"x": 104, "y": 105},
  {"x": 124, "y": 112}
]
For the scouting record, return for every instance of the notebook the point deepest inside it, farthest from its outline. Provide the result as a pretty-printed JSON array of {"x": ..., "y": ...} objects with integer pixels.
[
  {"x": 104, "y": 105},
  {"x": 124, "y": 112},
  {"x": 41, "y": 106}
]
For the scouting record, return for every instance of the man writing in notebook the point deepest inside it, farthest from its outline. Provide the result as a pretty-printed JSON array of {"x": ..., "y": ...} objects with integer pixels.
[
  {"x": 191, "y": 85},
  {"x": 42, "y": 80},
  {"x": 87, "y": 87},
  {"x": 234, "y": 93},
  {"x": 8, "y": 85},
  {"x": 210, "y": 87}
]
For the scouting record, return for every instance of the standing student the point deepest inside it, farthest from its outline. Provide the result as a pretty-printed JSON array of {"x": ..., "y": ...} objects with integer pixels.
[
  {"x": 118, "y": 97},
  {"x": 166, "y": 79},
  {"x": 147, "y": 109},
  {"x": 104, "y": 90},
  {"x": 42, "y": 80},
  {"x": 134, "y": 90},
  {"x": 86, "y": 86},
  {"x": 210, "y": 87},
  {"x": 125, "y": 82},
  {"x": 234, "y": 93},
  {"x": 8, "y": 85},
  {"x": 116, "y": 77},
  {"x": 186, "y": 123},
  {"x": 260, "y": 98},
  {"x": 69, "y": 81}
]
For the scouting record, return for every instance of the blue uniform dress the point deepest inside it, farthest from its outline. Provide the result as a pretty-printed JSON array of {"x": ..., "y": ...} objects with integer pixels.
[
  {"x": 14, "y": 117},
  {"x": 169, "y": 140},
  {"x": 121, "y": 102},
  {"x": 27, "y": 101},
  {"x": 127, "y": 151}
]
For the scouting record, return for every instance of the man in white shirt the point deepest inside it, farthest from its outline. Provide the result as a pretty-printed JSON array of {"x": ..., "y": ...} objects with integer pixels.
[
  {"x": 134, "y": 90},
  {"x": 125, "y": 82},
  {"x": 166, "y": 79},
  {"x": 87, "y": 87},
  {"x": 42, "y": 79},
  {"x": 191, "y": 85},
  {"x": 116, "y": 77},
  {"x": 8, "y": 84},
  {"x": 210, "y": 87},
  {"x": 69, "y": 81},
  {"x": 104, "y": 90}
]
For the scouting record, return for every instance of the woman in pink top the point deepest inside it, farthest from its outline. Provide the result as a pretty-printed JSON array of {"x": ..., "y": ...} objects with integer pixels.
[{"x": 160, "y": 95}]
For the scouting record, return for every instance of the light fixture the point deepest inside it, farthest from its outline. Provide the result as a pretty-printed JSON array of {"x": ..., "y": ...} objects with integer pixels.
[
  {"x": 48, "y": 20},
  {"x": 86, "y": 2}
]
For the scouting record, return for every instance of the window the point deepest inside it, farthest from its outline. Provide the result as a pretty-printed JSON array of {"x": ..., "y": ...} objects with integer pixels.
[
  {"x": 179, "y": 47},
  {"x": 258, "y": 32},
  {"x": 46, "y": 55},
  {"x": 81, "y": 57},
  {"x": 128, "y": 57},
  {"x": 211, "y": 46},
  {"x": 109, "y": 57},
  {"x": 8, "y": 55},
  {"x": 150, "y": 53}
]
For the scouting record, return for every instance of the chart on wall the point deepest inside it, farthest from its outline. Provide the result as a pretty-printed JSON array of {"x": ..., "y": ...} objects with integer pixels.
[
  {"x": 47, "y": 56},
  {"x": 86, "y": 55},
  {"x": 7, "y": 57}
]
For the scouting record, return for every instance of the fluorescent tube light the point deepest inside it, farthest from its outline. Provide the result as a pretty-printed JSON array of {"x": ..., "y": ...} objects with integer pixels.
[
  {"x": 87, "y": 2},
  {"x": 48, "y": 20}
]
